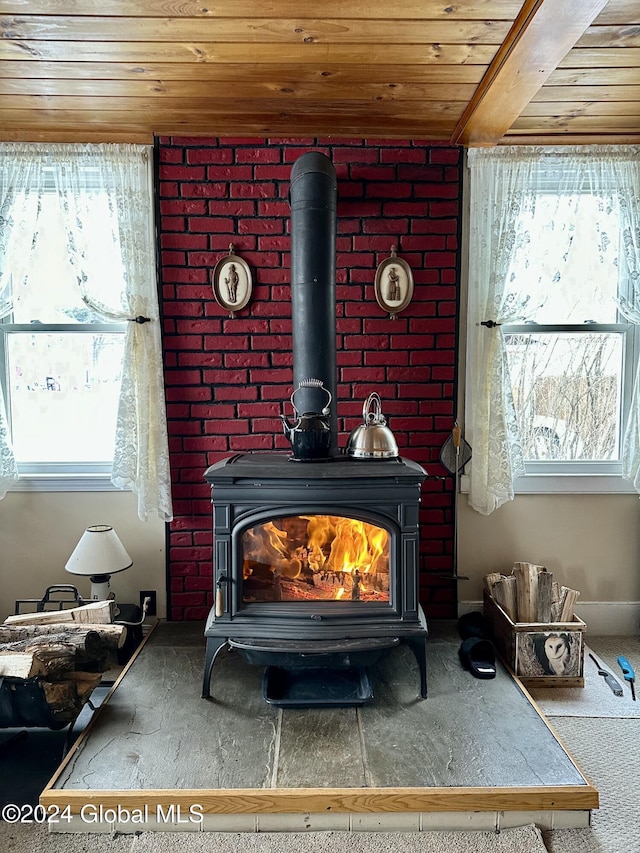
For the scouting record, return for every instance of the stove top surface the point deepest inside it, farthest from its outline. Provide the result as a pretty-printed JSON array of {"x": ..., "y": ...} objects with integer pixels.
[{"x": 281, "y": 465}]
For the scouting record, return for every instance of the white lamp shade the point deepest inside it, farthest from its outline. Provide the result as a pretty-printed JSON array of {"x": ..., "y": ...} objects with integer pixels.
[{"x": 99, "y": 552}]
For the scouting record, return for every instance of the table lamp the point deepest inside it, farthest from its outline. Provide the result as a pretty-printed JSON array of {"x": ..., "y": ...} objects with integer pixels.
[{"x": 98, "y": 555}]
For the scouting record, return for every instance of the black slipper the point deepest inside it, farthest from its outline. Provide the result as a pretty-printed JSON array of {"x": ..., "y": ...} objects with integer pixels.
[
  {"x": 474, "y": 624},
  {"x": 479, "y": 657}
]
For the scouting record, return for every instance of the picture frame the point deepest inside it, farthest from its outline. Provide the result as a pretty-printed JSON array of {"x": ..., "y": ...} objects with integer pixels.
[
  {"x": 231, "y": 282},
  {"x": 550, "y": 654},
  {"x": 393, "y": 284}
]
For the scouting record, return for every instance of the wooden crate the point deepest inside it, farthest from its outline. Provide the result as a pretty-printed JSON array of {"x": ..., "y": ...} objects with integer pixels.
[{"x": 524, "y": 647}]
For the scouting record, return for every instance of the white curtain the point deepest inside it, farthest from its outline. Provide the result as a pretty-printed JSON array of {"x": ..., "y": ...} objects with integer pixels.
[
  {"x": 120, "y": 177},
  {"x": 495, "y": 199},
  {"x": 8, "y": 465},
  {"x": 505, "y": 186},
  {"x": 19, "y": 209},
  {"x": 627, "y": 173}
]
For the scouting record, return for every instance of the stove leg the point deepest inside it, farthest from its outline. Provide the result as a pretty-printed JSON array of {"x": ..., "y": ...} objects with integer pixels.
[
  {"x": 214, "y": 646},
  {"x": 418, "y": 646}
]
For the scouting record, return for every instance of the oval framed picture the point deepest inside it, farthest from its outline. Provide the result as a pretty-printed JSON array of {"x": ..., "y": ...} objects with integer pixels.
[
  {"x": 393, "y": 284},
  {"x": 231, "y": 282}
]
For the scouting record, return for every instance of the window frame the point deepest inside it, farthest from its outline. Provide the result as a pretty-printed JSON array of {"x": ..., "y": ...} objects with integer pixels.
[
  {"x": 44, "y": 476},
  {"x": 579, "y": 476},
  {"x": 547, "y": 478}
]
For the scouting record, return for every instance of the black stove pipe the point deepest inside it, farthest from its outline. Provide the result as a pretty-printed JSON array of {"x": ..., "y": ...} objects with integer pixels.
[{"x": 313, "y": 196}]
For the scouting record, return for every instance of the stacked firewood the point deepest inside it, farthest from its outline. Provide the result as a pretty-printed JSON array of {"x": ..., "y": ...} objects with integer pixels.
[
  {"x": 64, "y": 651},
  {"x": 530, "y": 594}
]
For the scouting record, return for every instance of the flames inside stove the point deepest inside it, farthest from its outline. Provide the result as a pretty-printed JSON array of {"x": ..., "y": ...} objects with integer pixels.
[{"x": 315, "y": 558}]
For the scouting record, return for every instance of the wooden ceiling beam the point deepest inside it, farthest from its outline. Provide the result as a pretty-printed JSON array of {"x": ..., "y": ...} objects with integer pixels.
[{"x": 541, "y": 36}]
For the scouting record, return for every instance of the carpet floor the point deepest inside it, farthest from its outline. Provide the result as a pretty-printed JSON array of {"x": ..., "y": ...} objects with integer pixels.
[
  {"x": 602, "y": 735},
  {"x": 596, "y": 699}
]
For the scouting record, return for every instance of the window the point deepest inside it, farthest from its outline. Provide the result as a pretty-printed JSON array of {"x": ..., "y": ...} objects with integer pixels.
[
  {"x": 552, "y": 397},
  {"x": 570, "y": 356},
  {"x": 81, "y": 374},
  {"x": 62, "y": 364}
]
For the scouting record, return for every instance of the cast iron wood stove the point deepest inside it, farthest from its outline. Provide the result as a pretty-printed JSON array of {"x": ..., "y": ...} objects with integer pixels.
[{"x": 315, "y": 562}]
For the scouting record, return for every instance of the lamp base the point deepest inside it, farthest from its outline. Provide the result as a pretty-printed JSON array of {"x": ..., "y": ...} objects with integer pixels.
[{"x": 99, "y": 587}]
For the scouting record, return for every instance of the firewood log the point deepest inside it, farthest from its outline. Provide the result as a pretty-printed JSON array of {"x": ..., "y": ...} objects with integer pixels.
[
  {"x": 558, "y": 605},
  {"x": 97, "y": 612},
  {"x": 52, "y": 659},
  {"x": 66, "y": 698},
  {"x": 112, "y": 636},
  {"x": 20, "y": 665},
  {"x": 489, "y": 580},
  {"x": 88, "y": 644},
  {"x": 545, "y": 591},
  {"x": 90, "y": 652},
  {"x": 526, "y": 575},
  {"x": 504, "y": 592},
  {"x": 569, "y": 598},
  {"x": 555, "y": 601}
]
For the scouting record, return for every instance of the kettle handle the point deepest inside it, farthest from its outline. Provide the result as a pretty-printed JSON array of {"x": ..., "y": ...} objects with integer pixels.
[
  {"x": 313, "y": 383},
  {"x": 375, "y": 416}
]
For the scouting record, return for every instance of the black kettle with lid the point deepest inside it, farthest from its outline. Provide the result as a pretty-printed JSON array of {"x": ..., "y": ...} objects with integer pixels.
[{"x": 309, "y": 432}]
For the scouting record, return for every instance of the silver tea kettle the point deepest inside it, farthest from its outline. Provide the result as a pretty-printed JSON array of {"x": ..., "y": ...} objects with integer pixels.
[{"x": 372, "y": 439}]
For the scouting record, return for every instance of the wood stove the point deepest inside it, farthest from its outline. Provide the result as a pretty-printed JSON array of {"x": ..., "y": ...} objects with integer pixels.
[{"x": 315, "y": 564}]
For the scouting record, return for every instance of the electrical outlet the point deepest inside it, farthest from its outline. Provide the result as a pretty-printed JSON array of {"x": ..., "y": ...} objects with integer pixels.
[{"x": 153, "y": 604}]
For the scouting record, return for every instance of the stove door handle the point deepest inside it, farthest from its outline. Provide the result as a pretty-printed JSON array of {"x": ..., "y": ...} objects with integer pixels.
[{"x": 222, "y": 580}]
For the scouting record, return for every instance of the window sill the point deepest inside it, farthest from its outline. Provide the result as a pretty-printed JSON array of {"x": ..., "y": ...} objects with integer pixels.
[
  {"x": 566, "y": 484},
  {"x": 64, "y": 483},
  {"x": 572, "y": 484}
]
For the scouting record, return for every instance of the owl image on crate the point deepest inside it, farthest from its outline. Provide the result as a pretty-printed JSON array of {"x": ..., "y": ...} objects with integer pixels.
[{"x": 549, "y": 653}]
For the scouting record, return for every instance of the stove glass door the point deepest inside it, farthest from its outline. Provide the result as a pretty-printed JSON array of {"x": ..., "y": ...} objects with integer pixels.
[{"x": 315, "y": 558}]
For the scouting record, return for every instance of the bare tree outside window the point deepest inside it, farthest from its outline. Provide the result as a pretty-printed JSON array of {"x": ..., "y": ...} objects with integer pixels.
[{"x": 567, "y": 394}]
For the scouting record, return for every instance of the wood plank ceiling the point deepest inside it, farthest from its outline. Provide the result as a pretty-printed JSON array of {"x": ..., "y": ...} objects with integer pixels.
[{"x": 473, "y": 72}]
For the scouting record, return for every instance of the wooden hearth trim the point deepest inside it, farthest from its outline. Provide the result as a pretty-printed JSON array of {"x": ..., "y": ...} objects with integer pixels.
[{"x": 333, "y": 800}]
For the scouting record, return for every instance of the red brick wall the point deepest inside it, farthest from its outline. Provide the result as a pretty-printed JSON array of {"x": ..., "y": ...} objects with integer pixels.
[{"x": 227, "y": 379}]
